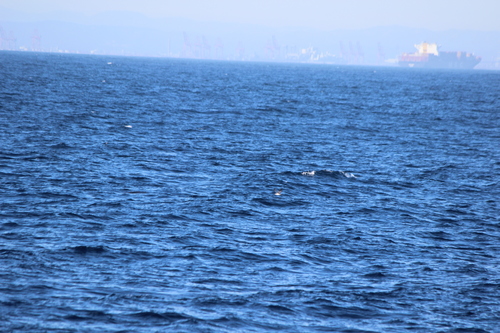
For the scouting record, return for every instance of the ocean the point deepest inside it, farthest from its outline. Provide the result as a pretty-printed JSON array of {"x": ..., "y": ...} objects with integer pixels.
[{"x": 170, "y": 195}]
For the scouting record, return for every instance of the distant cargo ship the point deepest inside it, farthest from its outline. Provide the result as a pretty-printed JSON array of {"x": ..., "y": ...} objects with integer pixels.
[{"x": 429, "y": 56}]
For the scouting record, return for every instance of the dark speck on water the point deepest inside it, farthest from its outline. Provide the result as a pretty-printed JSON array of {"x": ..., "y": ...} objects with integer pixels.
[{"x": 141, "y": 197}]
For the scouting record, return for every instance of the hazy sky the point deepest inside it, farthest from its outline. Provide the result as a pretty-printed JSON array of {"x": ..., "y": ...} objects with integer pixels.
[{"x": 322, "y": 14}]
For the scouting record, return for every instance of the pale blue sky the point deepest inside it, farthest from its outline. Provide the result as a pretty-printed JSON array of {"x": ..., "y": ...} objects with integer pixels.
[{"x": 322, "y": 14}]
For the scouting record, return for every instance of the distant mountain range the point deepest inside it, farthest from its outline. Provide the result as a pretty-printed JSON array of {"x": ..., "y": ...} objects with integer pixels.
[{"x": 126, "y": 33}]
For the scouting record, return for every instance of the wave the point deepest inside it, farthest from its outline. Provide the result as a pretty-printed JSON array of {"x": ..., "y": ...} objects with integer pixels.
[
  {"x": 329, "y": 173},
  {"x": 168, "y": 316},
  {"x": 278, "y": 203},
  {"x": 83, "y": 249}
]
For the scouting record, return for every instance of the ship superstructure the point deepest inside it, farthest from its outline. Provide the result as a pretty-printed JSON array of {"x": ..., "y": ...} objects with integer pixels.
[{"x": 429, "y": 56}]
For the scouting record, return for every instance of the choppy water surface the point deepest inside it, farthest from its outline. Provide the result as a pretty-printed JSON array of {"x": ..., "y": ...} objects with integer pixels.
[{"x": 140, "y": 195}]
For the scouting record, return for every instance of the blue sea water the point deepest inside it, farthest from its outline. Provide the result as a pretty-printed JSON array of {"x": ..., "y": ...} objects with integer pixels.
[{"x": 141, "y": 195}]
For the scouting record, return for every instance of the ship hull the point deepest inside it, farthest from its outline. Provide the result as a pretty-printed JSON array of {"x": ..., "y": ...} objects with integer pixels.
[{"x": 457, "y": 60}]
